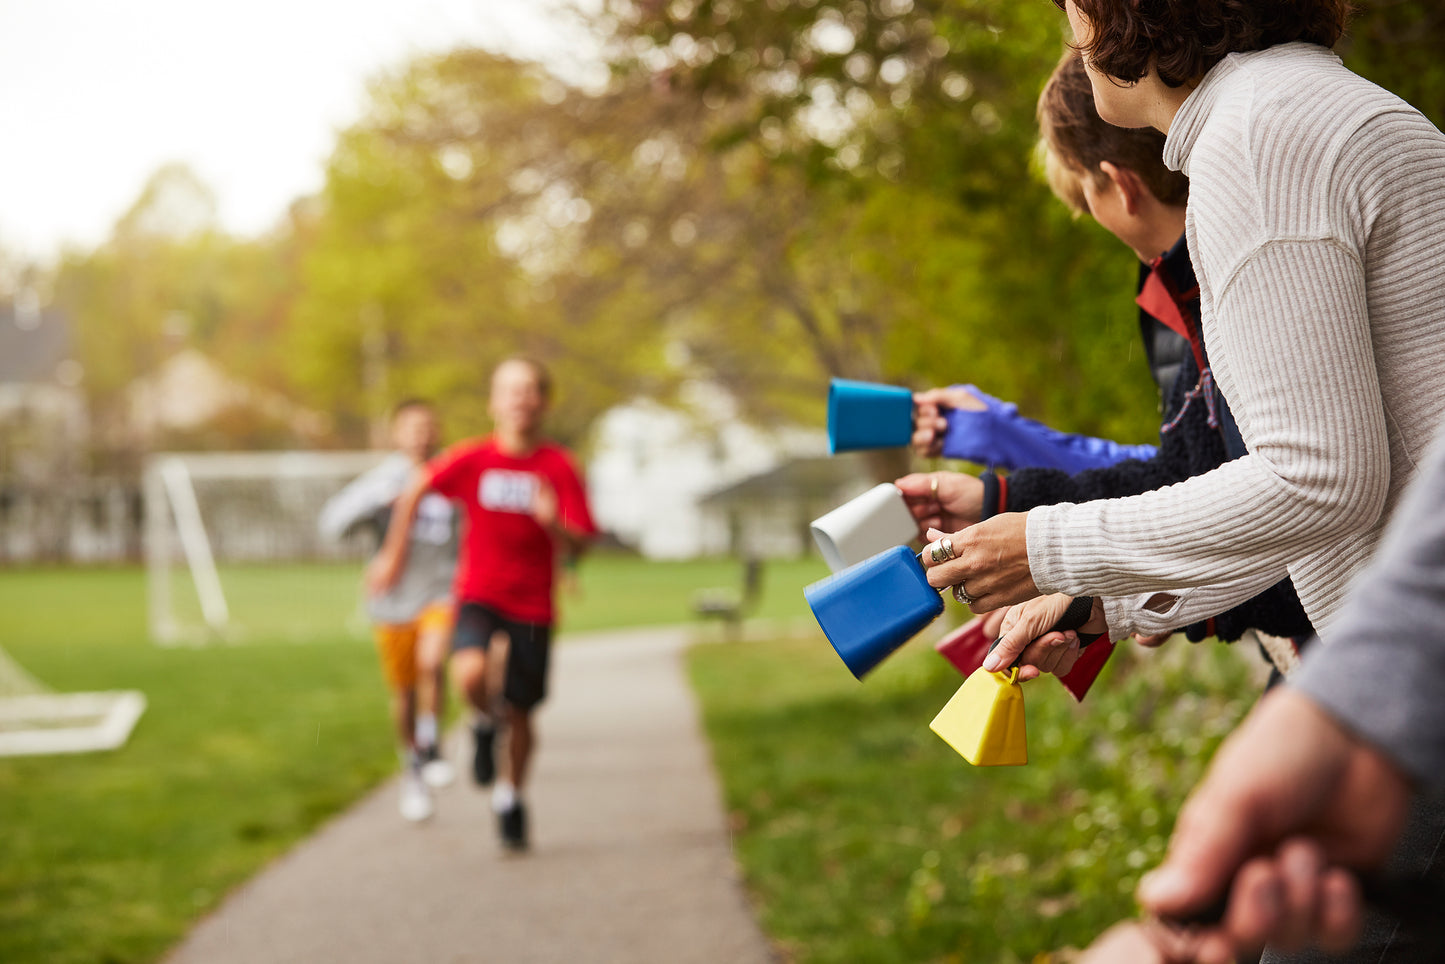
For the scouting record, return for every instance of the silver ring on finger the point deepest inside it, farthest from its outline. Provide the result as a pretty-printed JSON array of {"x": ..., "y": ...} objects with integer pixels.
[
  {"x": 961, "y": 594},
  {"x": 941, "y": 551}
]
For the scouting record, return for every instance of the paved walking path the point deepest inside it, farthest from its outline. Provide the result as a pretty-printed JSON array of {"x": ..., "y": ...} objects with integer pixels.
[{"x": 630, "y": 859}]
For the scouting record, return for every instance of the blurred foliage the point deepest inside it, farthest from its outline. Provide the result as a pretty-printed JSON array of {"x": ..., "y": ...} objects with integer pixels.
[
  {"x": 910, "y": 242},
  {"x": 452, "y": 238},
  {"x": 167, "y": 278},
  {"x": 763, "y": 193},
  {"x": 1399, "y": 45}
]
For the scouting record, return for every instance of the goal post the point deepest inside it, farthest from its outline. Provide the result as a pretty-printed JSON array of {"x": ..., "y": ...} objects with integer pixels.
[
  {"x": 179, "y": 498},
  {"x": 233, "y": 551}
]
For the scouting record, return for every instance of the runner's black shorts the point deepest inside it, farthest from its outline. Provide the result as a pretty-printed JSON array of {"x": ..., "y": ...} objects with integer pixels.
[{"x": 530, "y": 646}]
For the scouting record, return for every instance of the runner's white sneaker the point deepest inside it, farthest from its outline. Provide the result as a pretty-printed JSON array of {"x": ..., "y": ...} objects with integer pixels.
[
  {"x": 416, "y": 804},
  {"x": 436, "y": 770}
]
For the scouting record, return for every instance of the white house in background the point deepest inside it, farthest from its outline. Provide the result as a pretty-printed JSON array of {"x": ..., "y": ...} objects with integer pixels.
[
  {"x": 43, "y": 420},
  {"x": 654, "y": 468},
  {"x": 188, "y": 390}
]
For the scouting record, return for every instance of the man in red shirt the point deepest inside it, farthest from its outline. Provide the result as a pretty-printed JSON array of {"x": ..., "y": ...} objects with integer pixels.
[{"x": 525, "y": 508}]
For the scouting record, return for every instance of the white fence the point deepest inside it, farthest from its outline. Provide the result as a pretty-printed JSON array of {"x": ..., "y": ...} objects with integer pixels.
[{"x": 70, "y": 521}]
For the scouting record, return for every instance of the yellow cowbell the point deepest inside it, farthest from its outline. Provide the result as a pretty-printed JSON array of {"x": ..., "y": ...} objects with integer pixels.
[{"x": 984, "y": 721}]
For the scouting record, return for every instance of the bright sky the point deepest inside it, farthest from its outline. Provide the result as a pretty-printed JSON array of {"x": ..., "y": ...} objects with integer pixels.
[{"x": 97, "y": 94}]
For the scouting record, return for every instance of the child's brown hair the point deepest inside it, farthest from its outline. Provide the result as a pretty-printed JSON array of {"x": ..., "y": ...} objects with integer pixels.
[{"x": 1076, "y": 140}]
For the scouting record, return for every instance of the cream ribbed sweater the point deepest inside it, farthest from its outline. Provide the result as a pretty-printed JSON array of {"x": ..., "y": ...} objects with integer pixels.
[{"x": 1316, "y": 223}]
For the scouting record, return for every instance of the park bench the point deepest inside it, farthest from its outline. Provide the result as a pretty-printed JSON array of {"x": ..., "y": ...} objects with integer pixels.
[{"x": 731, "y": 606}]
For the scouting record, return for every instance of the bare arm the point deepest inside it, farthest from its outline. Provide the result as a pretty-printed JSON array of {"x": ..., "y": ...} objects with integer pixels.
[
  {"x": 545, "y": 509},
  {"x": 386, "y": 566}
]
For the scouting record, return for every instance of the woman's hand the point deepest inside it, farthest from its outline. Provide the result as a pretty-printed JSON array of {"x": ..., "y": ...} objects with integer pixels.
[
  {"x": 942, "y": 500},
  {"x": 993, "y": 622},
  {"x": 1290, "y": 798},
  {"x": 991, "y": 562},
  {"x": 1026, "y": 631},
  {"x": 930, "y": 424}
]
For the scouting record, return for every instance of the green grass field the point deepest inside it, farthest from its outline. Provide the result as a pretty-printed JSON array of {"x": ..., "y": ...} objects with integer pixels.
[
  {"x": 305, "y": 603},
  {"x": 243, "y": 750},
  {"x": 864, "y": 838}
]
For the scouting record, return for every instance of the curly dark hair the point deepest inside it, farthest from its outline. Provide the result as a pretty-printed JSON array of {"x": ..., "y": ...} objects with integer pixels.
[
  {"x": 1075, "y": 135},
  {"x": 1185, "y": 38}
]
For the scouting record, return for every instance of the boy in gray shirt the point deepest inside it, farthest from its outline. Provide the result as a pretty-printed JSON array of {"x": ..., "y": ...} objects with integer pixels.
[{"x": 412, "y": 620}]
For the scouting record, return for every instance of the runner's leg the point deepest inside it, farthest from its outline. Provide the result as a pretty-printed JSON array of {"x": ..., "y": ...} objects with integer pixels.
[
  {"x": 528, "y": 652},
  {"x": 431, "y": 669},
  {"x": 528, "y": 656},
  {"x": 519, "y": 745},
  {"x": 403, "y": 717},
  {"x": 433, "y": 641},
  {"x": 396, "y": 645},
  {"x": 396, "y": 648},
  {"x": 471, "y": 639}
]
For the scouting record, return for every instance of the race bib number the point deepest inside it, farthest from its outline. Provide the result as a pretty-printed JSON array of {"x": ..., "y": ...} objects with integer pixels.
[
  {"x": 433, "y": 523},
  {"x": 502, "y": 490}
]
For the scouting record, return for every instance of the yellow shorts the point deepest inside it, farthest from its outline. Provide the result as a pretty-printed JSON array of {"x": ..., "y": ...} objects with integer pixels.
[{"x": 396, "y": 643}]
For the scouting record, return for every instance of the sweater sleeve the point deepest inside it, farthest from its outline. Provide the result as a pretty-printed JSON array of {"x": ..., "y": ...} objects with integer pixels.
[
  {"x": 1155, "y": 612},
  {"x": 1318, "y": 466},
  {"x": 362, "y": 499},
  {"x": 1261, "y": 602},
  {"x": 1383, "y": 672}
]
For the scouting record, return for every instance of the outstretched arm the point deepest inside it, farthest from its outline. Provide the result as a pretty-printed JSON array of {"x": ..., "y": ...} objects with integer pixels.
[
  {"x": 962, "y": 422},
  {"x": 1318, "y": 467},
  {"x": 359, "y": 501}
]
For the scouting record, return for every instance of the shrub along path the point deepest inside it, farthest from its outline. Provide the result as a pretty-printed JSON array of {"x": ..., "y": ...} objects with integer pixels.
[{"x": 630, "y": 855}]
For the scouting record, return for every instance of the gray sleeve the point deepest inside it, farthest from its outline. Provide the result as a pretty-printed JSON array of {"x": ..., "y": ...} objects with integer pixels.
[
  {"x": 1383, "y": 671},
  {"x": 363, "y": 497}
]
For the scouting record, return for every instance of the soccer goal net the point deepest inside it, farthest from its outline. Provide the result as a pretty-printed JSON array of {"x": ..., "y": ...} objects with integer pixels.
[{"x": 233, "y": 552}]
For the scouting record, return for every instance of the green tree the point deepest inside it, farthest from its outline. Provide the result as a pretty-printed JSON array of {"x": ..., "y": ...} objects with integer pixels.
[
  {"x": 1399, "y": 45},
  {"x": 449, "y": 238},
  {"x": 168, "y": 278},
  {"x": 884, "y": 148}
]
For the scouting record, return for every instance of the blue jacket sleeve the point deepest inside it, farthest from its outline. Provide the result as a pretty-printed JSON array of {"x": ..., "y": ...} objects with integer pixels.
[{"x": 998, "y": 435}]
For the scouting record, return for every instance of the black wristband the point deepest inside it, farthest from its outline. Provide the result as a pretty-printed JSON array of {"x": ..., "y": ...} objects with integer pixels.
[
  {"x": 1078, "y": 613},
  {"x": 990, "y": 495}
]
